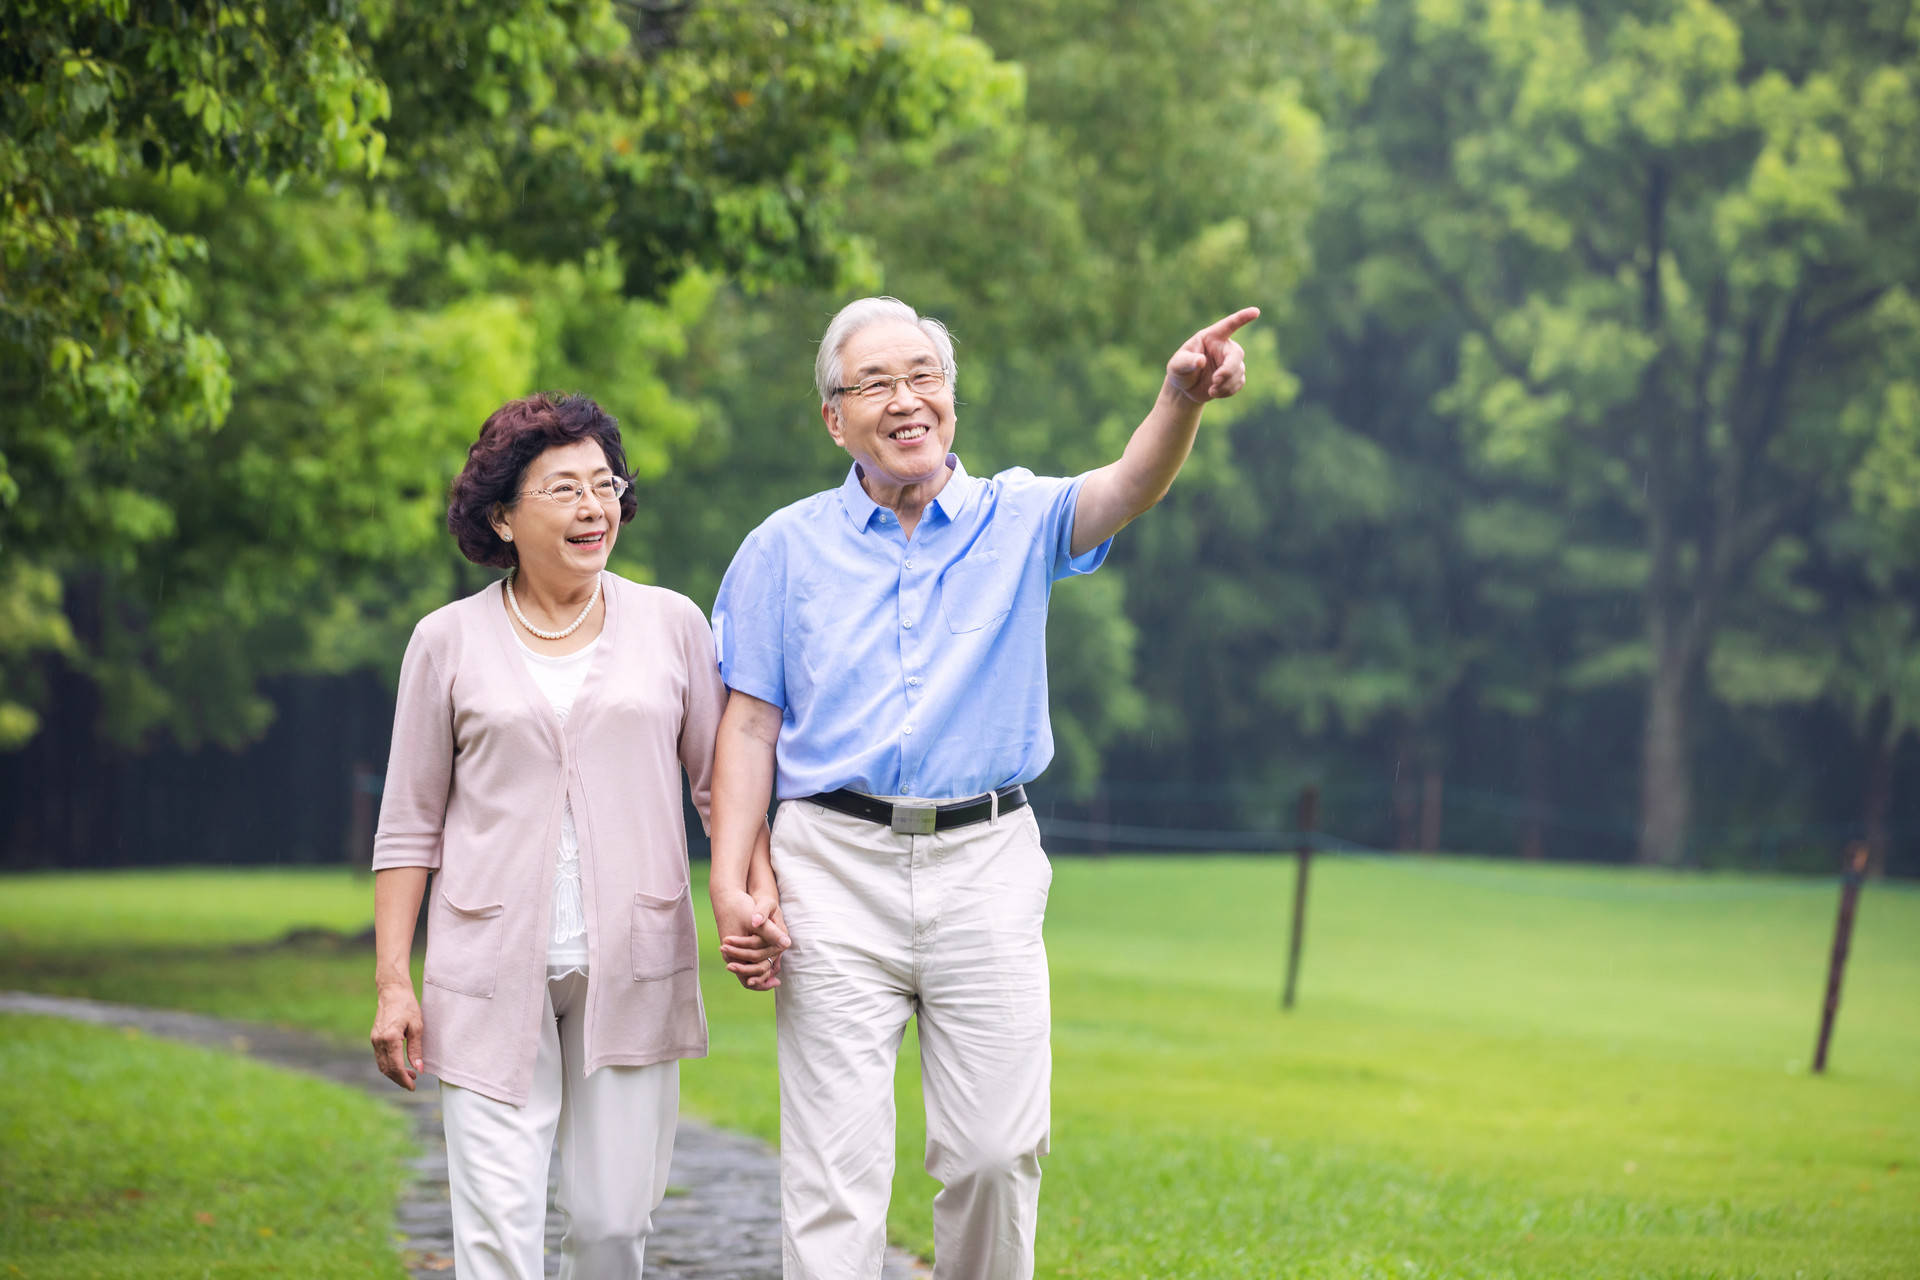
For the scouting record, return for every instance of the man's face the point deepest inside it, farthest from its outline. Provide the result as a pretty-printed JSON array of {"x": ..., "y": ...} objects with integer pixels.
[{"x": 904, "y": 437}]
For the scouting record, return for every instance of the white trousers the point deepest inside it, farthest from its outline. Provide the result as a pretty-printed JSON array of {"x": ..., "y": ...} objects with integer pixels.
[
  {"x": 886, "y": 926},
  {"x": 615, "y": 1140}
]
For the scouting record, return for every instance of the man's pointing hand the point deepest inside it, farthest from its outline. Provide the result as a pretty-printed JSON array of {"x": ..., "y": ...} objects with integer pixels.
[{"x": 1211, "y": 365}]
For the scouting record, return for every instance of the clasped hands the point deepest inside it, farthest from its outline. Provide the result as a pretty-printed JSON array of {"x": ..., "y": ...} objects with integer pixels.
[{"x": 752, "y": 935}]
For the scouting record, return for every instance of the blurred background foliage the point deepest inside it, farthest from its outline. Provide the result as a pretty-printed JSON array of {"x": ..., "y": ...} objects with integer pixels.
[{"x": 1573, "y": 508}]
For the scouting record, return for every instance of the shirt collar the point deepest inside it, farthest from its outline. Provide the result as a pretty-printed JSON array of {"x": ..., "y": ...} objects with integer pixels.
[
  {"x": 949, "y": 502},
  {"x": 854, "y": 501},
  {"x": 953, "y": 495}
]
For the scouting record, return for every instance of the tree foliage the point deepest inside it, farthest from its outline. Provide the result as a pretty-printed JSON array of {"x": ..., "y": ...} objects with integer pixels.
[
  {"x": 633, "y": 141},
  {"x": 1676, "y": 276},
  {"x": 1581, "y": 456},
  {"x": 1164, "y": 172}
]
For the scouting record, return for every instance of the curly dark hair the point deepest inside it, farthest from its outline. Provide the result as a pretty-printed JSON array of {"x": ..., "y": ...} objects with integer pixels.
[{"x": 518, "y": 432}]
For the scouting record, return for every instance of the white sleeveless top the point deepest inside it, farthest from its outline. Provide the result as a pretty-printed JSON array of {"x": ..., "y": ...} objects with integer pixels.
[{"x": 560, "y": 679}]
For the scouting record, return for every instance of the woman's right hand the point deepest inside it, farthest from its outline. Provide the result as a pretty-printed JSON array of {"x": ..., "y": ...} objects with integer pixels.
[{"x": 397, "y": 1029}]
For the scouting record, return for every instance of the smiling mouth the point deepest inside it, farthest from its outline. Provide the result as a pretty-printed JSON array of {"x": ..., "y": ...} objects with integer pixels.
[
  {"x": 908, "y": 434},
  {"x": 593, "y": 539}
]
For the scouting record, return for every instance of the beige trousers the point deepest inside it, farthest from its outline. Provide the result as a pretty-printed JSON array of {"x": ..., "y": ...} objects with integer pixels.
[
  {"x": 887, "y": 926},
  {"x": 615, "y": 1139}
]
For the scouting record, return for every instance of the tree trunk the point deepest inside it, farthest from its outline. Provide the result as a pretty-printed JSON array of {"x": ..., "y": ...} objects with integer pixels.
[
  {"x": 1533, "y": 771},
  {"x": 1431, "y": 794},
  {"x": 68, "y": 777},
  {"x": 1666, "y": 764},
  {"x": 1406, "y": 805}
]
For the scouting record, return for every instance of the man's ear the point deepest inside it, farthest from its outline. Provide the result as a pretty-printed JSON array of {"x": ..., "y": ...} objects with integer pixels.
[{"x": 831, "y": 416}]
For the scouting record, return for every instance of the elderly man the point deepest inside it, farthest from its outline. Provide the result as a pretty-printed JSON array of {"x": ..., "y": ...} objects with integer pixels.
[{"x": 885, "y": 644}]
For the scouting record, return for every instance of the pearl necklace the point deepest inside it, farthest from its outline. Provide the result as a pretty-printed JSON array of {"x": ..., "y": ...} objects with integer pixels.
[{"x": 514, "y": 605}]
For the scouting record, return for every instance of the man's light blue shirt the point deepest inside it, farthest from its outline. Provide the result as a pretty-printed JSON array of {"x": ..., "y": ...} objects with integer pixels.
[{"x": 904, "y": 666}]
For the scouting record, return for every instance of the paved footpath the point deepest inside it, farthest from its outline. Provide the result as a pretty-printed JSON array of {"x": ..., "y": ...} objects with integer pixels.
[{"x": 721, "y": 1219}]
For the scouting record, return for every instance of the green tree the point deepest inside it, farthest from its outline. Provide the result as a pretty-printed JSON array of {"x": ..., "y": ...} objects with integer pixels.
[
  {"x": 1860, "y": 629},
  {"x": 1876, "y": 682},
  {"x": 307, "y": 534},
  {"x": 1164, "y": 171},
  {"x": 1877, "y": 678},
  {"x": 1168, "y": 170},
  {"x": 1677, "y": 237},
  {"x": 97, "y": 358},
  {"x": 640, "y": 142}
]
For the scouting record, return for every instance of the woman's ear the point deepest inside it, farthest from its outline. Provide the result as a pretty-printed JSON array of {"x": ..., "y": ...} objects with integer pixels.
[{"x": 498, "y": 519}]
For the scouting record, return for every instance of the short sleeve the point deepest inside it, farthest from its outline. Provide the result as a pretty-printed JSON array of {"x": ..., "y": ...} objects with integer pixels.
[
  {"x": 706, "y": 696},
  {"x": 749, "y": 631},
  {"x": 1057, "y": 499}
]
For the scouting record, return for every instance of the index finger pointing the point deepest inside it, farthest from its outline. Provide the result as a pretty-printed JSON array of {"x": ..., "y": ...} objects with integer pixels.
[{"x": 1223, "y": 329}]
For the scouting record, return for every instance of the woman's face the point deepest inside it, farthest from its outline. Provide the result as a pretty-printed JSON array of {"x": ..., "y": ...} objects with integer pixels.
[{"x": 556, "y": 540}]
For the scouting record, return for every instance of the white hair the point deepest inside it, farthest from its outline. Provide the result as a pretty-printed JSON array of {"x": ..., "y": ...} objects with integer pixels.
[{"x": 828, "y": 376}]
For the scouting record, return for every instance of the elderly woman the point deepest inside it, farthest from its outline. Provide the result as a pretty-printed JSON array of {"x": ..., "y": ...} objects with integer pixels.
[{"x": 540, "y": 734}]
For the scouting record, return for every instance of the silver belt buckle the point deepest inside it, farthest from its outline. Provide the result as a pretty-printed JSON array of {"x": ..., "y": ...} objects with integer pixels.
[{"x": 914, "y": 820}]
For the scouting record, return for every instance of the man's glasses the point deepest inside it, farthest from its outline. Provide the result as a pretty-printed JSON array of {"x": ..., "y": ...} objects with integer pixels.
[{"x": 922, "y": 382}]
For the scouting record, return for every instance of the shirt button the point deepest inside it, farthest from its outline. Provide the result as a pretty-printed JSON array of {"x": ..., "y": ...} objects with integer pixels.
[
  {"x": 908, "y": 624},
  {"x": 909, "y": 564},
  {"x": 908, "y": 729},
  {"x": 914, "y": 681}
]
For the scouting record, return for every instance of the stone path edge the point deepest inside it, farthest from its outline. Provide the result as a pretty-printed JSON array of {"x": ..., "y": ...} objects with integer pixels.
[{"x": 721, "y": 1219}]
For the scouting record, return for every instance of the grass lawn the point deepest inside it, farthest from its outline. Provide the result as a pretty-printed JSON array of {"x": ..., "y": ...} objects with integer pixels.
[
  {"x": 126, "y": 1156},
  {"x": 1496, "y": 1070}
]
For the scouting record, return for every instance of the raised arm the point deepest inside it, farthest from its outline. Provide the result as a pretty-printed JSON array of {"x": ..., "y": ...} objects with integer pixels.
[{"x": 1208, "y": 366}]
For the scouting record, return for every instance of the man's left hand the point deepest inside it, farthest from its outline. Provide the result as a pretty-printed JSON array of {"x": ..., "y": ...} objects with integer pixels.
[{"x": 1211, "y": 365}]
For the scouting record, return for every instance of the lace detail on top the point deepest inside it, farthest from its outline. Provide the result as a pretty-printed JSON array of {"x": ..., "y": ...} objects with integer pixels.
[
  {"x": 567, "y": 945},
  {"x": 559, "y": 678}
]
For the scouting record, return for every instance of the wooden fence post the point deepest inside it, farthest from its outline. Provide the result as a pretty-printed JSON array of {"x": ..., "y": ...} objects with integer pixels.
[
  {"x": 1309, "y": 819},
  {"x": 1842, "y": 940}
]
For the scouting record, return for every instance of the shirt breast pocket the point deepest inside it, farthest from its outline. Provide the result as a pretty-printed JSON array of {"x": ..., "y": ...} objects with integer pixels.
[{"x": 977, "y": 591}]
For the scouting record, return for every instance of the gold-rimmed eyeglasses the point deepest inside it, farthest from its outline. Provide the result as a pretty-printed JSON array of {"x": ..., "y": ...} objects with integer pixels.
[
  {"x": 922, "y": 382},
  {"x": 569, "y": 492}
]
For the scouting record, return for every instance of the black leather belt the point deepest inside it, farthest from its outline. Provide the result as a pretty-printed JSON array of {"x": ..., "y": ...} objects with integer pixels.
[{"x": 919, "y": 819}]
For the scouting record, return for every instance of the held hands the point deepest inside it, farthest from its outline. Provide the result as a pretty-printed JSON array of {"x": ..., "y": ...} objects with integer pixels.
[
  {"x": 1211, "y": 365},
  {"x": 752, "y": 936},
  {"x": 397, "y": 1029}
]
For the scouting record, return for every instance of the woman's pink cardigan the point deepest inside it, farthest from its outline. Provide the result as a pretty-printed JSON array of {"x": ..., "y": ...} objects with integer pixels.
[{"x": 478, "y": 776}]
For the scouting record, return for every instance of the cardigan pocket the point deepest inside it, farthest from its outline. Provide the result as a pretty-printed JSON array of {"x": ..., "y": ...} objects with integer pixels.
[
  {"x": 663, "y": 937},
  {"x": 463, "y": 947}
]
